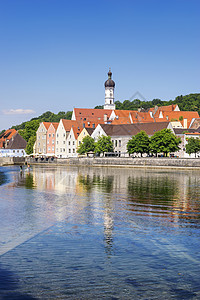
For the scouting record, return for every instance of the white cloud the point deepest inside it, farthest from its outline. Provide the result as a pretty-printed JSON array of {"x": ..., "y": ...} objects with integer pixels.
[{"x": 18, "y": 111}]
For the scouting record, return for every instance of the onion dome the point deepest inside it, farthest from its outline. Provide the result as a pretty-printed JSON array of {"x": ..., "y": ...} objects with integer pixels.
[{"x": 109, "y": 82}]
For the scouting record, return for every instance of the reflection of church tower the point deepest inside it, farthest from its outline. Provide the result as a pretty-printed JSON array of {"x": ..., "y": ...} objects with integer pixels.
[{"x": 109, "y": 92}]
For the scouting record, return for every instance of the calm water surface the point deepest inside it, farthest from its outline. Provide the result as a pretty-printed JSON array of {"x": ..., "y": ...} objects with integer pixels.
[{"x": 99, "y": 233}]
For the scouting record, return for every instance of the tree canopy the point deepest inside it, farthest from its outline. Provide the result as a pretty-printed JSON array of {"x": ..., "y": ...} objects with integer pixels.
[
  {"x": 87, "y": 145},
  {"x": 104, "y": 144},
  {"x": 193, "y": 145},
  {"x": 30, "y": 144},
  {"x": 139, "y": 143},
  {"x": 164, "y": 141},
  {"x": 189, "y": 102}
]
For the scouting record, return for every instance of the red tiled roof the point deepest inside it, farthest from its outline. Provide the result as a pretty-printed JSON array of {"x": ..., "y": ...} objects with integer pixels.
[
  {"x": 46, "y": 124},
  {"x": 55, "y": 125},
  {"x": 7, "y": 135},
  {"x": 175, "y": 115},
  {"x": 89, "y": 114}
]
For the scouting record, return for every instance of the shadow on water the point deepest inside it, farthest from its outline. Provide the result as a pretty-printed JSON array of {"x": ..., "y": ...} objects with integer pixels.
[{"x": 9, "y": 287}]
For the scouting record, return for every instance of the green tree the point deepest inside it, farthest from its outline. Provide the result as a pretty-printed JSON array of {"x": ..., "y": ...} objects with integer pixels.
[
  {"x": 30, "y": 144},
  {"x": 139, "y": 143},
  {"x": 104, "y": 144},
  {"x": 193, "y": 146},
  {"x": 164, "y": 141},
  {"x": 30, "y": 129},
  {"x": 87, "y": 145}
]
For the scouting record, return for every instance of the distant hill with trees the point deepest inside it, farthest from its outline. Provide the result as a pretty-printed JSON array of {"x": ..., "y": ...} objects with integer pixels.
[{"x": 189, "y": 102}]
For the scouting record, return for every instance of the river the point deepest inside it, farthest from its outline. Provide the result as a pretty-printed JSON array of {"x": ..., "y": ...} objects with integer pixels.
[{"x": 99, "y": 233}]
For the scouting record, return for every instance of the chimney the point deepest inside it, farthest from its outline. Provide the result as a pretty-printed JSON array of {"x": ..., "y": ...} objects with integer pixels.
[
  {"x": 105, "y": 118},
  {"x": 185, "y": 123}
]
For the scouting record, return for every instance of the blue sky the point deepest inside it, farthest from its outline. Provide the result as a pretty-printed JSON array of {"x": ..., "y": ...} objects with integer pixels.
[{"x": 55, "y": 54}]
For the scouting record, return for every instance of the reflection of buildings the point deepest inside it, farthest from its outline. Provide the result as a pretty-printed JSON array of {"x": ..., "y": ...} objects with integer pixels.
[{"x": 94, "y": 194}]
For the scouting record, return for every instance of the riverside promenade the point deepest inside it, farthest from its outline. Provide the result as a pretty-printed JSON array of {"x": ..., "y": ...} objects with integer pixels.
[{"x": 192, "y": 163}]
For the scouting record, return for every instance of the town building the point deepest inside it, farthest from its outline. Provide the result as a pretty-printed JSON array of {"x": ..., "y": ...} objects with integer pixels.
[
  {"x": 51, "y": 139},
  {"x": 12, "y": 144},
  {"x": 40, "y": 146},
  {"x": 121, "y": 134}
]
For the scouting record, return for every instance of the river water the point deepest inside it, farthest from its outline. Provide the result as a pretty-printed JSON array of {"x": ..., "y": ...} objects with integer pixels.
[{"x": 99, "y": 233}]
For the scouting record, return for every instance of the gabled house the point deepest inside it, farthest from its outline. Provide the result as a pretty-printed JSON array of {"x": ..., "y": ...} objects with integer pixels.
[
  {"x": 72, "y": 141},
  {"x": 85, "y": 132},
  {"x": 13, "y": 144},
  {"x": 40, "y": 145},
  {"x": 121, "y": 134},
  {"x": 63, "y": 130},
  {"x": 51, "y": 138}
]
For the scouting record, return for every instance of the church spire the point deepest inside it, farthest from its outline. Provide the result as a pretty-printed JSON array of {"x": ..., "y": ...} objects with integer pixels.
[{"x": 109, "y": 92}]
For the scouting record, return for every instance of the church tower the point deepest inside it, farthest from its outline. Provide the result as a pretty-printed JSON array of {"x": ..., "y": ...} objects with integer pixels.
[{"x": 109, "y": 92}]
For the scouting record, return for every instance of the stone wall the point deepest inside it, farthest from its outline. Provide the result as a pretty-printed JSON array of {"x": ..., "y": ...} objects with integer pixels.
[
  {"x": 6, "y": 161},
  {"x": 125, "y": 162}
]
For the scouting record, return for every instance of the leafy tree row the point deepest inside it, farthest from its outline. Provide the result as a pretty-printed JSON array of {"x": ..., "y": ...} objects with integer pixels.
[
  {"x": 103, "y": 144},
  {"x": 189, "y": 102},
  {"x": 163, "y": 141}
]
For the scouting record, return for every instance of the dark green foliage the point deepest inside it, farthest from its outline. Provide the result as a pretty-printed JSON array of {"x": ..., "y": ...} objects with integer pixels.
[
  {"x": 104, "y": 144},
  {"x": 30, "y": 144},
  {"x": 47, "y": 117},
  {"x": 30, "y": 129},
  {"x": 189, "y": 102},
  {"x": 193, "y": 146},
  {"x": 164, "y": 141},
  {"x": 87, "y": 145},
  {"x": 2, "y": 131},
  {"x": 139, "y": 143}
]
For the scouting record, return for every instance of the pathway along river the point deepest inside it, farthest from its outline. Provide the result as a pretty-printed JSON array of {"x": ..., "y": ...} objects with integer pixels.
[{"x": 99, "y": 233}]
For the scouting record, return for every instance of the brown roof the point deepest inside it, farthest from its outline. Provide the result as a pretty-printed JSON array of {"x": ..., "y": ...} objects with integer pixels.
[
  {"x": 17, "y": 142},
  {"x": 133, "y": 129},
  {"x": 89, "y": 130}
]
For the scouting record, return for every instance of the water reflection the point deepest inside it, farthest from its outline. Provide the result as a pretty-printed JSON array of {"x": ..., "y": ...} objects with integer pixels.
[{"x": 91, "y": 233}]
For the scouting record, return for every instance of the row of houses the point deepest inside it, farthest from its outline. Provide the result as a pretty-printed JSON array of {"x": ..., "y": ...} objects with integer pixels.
[{"x": 63, "y": 139}]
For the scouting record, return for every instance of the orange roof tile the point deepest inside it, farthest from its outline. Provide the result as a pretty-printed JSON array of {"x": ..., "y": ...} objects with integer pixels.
[
  {"x": 89, "y": 114},
  {"x": 55, "y": 125},
  {"x": 46, "y": 124},
  {"x": 175, "y": 115},
  {"x": 7, "y": 135}
]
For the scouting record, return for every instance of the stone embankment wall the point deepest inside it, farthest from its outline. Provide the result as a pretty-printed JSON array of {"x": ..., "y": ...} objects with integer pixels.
[
  {"x": 124, "y": 162},
  {"x": 6, "y": 161}
]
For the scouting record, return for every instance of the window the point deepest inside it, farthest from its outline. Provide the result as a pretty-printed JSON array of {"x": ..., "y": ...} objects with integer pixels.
[
  {"x": 52, "y": 141},
  {"x": 63, "y": 149},
  {"x": 120, "y": 143},
  {"x": 70, "y": 136},
  {"x": 93, "y": 125},
  {"x": 63, "y": 142},
  {"x": 13, "y": 151},
  {"x": 52, "y": 134},
  {"x": 60, "y": 149},
  {"x": 73, "y": 143},
  {"x": 47, "y": 141},
  {"x": 49, "y": 134},
  {"x": 115, "y": 143},
  {"x": 79, "y": 142},
  {"x": 69, "y": 142},
  {"x": 57, "y": 135},
  {"x": 49, "y": 148},
  {"x": 63, "y": 134},
  {"x": 69, "y": 150},
  {"x": 53, "y": 148},
  {"x": 57, "y": 142},
  {"x": 73, "y": 150}
]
